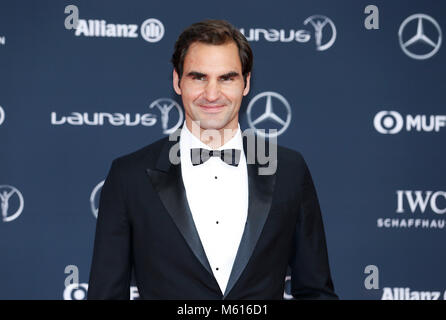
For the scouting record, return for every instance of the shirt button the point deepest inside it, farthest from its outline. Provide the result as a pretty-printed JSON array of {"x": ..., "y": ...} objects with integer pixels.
[
  {"x": 215, "y": 177},
  {"x": 216, "y": 269},
  {"x": 216, "y": 222}
]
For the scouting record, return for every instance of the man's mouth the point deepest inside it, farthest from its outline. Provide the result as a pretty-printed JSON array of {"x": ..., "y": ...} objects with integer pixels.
[{"x": 211, "y": 108}]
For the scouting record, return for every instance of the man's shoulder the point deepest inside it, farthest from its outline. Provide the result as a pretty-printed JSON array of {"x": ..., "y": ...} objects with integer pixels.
[
  {"x": 291, "y": 166},
  {"x": 288, "y": 152},
  {"x": 289, "y": 157},
  {"x": 285, "y": 155}
]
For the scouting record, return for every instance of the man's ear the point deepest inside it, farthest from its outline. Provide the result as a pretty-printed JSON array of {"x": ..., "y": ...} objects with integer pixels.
[
  {"x": 176, "y": 82},
  {"x": 247, "y": 84}
]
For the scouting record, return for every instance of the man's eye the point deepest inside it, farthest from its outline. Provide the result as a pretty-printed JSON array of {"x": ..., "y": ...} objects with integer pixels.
[
  {"x": 201, "y": 78},
  {"x": 227, "y": 79}
]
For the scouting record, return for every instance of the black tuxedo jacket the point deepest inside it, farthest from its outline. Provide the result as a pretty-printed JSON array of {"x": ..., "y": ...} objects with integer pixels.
[{"x": 144, "y": 223}]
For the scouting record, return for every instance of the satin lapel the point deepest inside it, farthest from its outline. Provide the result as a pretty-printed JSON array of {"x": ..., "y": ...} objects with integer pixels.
[
  {"x": 167, "y": 181},
  {"x": 261, "y": 189}
]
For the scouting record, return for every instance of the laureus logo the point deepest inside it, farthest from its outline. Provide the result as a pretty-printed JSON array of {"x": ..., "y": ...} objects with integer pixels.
[
  {"x": 165, "y": 105},
  {"x": 324, "y": 33},
  {"x": 170, "y": 111},
  {"x": 11, "y": 201},
  {"x": 319, "y": 22}
]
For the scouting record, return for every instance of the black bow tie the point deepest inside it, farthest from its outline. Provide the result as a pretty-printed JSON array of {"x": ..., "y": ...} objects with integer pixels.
[{"x": 229, "y": 156}]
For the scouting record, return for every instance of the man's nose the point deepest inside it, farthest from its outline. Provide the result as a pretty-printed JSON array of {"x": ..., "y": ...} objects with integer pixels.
[{"x": 212, "y": 91}]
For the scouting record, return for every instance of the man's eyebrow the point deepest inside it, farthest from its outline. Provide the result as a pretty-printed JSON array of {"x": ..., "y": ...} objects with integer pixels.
[
  {"x": 195, "y": 74},
  {"x": 232, "y": 74}
]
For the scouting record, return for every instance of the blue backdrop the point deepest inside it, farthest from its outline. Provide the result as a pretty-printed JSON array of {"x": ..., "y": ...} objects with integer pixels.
[{"x": 366, "y": 109}]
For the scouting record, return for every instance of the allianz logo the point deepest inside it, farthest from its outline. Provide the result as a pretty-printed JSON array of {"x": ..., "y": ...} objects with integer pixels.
[
  {"x": 101, "y": 118},
  {"x": 152, "y": 30},
  {"x": 100, "y": 28},
  {"x": 409, "y": 294}
]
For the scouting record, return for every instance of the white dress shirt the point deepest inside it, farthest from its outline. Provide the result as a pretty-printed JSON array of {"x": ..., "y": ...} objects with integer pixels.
[{"x": 217, "y": 194}]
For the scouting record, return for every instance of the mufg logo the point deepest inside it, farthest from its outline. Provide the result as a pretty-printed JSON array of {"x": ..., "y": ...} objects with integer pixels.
[
  {"x": 392, "y": 122},
  {"x": 11, "y": 203},
  {"x": 79, "y": 291}
]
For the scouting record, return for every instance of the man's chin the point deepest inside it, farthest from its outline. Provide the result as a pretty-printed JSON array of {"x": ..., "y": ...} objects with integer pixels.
[{"x": 209, "y": 124}]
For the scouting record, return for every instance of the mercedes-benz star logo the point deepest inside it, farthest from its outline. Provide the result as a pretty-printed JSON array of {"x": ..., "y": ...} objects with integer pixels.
[
  {"x": 94, "y": 198},
  {"x": 164, "y": 105},
  {"x": 269, "y": 113},
  {"x": 6, "y": 194},
  {"x": 2, "y": 115},
  {"x": 318, "y": 22},
  {"x": 420, "y": 37}
]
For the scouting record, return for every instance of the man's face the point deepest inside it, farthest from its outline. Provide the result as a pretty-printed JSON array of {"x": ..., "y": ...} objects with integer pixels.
[{"x": 212, "y": 85}]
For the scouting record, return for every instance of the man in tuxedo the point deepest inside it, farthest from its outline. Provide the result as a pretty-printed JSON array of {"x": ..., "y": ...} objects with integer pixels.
[{"x": 198, "y": 218}]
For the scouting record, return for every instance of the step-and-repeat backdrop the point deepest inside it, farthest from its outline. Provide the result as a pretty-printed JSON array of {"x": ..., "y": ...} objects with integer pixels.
[{"x": 358, "y": 87}]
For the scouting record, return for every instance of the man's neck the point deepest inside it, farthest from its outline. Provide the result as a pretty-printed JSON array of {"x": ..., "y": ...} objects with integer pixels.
[{"x": 214, "y": 138}]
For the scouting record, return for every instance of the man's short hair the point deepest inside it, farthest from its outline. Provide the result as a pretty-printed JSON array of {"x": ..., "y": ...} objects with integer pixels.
[{"x": 214, "y": 32}]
